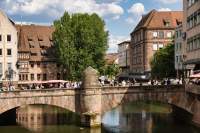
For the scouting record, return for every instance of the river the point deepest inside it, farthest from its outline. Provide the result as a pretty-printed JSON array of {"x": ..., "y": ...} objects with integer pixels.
[{"x": 138, "y": 117}]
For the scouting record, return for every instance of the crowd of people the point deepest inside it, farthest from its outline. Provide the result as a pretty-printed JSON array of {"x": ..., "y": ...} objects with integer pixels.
[
  {"x": 67, "y": 85},
  {"x": 133, "y": 82}
]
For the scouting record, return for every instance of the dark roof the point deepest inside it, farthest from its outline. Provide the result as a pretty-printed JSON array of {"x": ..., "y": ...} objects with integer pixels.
[
  {"x": 36, "y": 40},
  {"x": 124, "y": 42},
  {"x": 156, "y": 19}
]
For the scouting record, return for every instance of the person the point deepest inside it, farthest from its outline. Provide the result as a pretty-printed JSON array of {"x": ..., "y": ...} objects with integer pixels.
[
  {"x": 37, "y": 87},
  {"x": 123, "y": 83},
  {"x": 168, "y": 81},
  {"x": 152, "y": 82}
]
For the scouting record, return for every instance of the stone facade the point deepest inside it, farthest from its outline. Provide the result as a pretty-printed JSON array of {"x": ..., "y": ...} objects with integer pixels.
[
  {"x": 153, "y": 32},
  {"x": 92, "y": 100},
  {"x": 124, "y": 56},
  {"x": 191, "y": 26},
  {"x": 8, "y": 50}
]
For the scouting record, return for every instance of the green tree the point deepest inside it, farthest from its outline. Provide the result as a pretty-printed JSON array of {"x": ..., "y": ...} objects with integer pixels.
[
  {"x": 112, "y": 70},
  {"x": 80, "y": 41},
  {"x": 162, "y": 63}
]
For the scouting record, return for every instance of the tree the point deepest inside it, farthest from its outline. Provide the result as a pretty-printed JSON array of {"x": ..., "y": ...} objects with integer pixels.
[
  {"x": 162, "y": 63},
  {"x": 80, "y": 41},
  {"x": 112, "y": 70}
]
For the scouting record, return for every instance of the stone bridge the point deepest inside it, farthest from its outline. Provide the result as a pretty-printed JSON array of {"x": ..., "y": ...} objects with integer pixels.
[{"x": 92, "y": 100}]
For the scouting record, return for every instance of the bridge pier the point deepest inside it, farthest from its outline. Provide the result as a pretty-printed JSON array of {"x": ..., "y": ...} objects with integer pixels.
[{"x": 90, "y": 99}]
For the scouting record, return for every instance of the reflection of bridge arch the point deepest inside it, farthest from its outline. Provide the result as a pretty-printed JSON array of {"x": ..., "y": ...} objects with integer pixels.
[
  {"x": 112, "y": 97},
  {"x": 63, "y": 98}
]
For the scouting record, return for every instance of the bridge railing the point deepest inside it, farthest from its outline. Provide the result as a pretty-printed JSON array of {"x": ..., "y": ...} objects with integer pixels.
[{"x": 192, "y": 88}]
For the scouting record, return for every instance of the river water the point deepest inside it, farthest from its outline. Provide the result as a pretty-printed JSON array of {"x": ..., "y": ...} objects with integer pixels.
[{"x": 131, "y": 118}]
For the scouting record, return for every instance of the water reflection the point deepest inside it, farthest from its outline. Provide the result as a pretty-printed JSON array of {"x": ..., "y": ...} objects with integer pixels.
[
  {"x": 131, "y": 118},
  {"x": 144, "y": 118}
]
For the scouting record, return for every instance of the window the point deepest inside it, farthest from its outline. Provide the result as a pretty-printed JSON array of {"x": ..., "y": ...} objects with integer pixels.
[
  {"x": 38, "y": 64},
  {"x": 58, "y": 76},
  {"x": 44, "y": 76},
  {"x": 8, "y": 38},
  {"x": 20, "y": 77},
  {"x": 32, "y": 65},
  {"x": 0, "y": 38},
  {"x": 167, "y": 24},
  {"x": 177, "y": 59},
  {"x": 155, "y": 47},
  {"x": 26, "y": 76},
  {"x": 161, "y": 34},
  {"x": 9, "y": 52},
  {"x": 193, "y": 20},
  {"x": 160, "y": 46},
  {"x": 32, "y": 76},
  {"x": 1, "y": 70},
  {"x": 155, "y": 34},
  {"x": 0, "y": 52},
  {"x": 169, "y": 34},
  {"x": 9, "y": 66},
  {"x": 38, "y": 76}
]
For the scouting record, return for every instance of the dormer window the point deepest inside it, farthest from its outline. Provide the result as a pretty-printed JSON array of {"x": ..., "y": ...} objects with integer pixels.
[
  {"x": 178, "y": 22},
  {"x": 166, "y": 23},
  {"x": 40, "y": 38},
  {"x": 30, "y": 38}
]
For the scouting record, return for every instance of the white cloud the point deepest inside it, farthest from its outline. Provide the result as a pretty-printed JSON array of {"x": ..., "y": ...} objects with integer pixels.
[
  {"x": 114, "y": 40},
  {"x": 29, "y": 23},
  {"x": 130, "y": 20},
  {"x": 135, "y": 14},
  {"x": 55, "y": 8},
  {"x": 168, "y": 1},
  {"x": 137, "y": 9},
  {"x": 164, "y": 9}
]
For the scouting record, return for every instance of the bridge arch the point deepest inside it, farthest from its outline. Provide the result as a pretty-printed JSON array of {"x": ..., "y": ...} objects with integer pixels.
[
  {"x": 113, "y": 97},
  {"x": 59, "y": 98}
]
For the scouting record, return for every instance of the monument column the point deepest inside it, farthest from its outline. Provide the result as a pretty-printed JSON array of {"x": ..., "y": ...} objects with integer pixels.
[{"x": 90, "y": 99}]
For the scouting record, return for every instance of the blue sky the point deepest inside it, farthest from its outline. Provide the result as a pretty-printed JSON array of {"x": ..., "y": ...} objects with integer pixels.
[{"x": 121, "y": 16}]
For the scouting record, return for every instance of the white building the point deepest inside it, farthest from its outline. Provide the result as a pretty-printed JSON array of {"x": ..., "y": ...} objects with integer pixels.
[
  {"x": 8, "y": 49},
  {"x": 123, "y": 55}
]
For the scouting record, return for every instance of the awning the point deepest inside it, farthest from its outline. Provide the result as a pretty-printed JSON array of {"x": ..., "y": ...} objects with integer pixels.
[
  {"x": 190, "y": 66},
  {"x": 195, "y": 75}
]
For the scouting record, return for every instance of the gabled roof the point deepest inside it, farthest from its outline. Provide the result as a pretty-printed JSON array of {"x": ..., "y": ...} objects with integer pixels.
[
  {"x": 37, "y": 40},
  {"x": 157, "y": 19}
]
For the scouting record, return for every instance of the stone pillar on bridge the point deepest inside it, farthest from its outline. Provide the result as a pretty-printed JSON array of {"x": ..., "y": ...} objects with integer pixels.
[{"x": 91, "y": 99}]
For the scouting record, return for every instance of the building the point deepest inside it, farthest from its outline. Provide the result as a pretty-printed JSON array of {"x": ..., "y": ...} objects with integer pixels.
[
  {"x": 124, "y": 56},
  {"x": 191, "y": 26},
  {"x": 111, "y": 58},
  {"x": 36, "y": 54},
  {"x": 154, "y": 31},
  {"x": 8, "y": 50},
  {"x": 179, "y": 50}
]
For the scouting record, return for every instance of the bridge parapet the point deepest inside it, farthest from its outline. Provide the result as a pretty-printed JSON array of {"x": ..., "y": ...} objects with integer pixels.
[
  {"x": 192, "y": 88},
  {"x": 39, "y": 93}
]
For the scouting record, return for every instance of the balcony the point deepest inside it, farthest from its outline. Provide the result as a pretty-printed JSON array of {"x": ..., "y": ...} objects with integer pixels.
[{"x": 24, "y": 70}]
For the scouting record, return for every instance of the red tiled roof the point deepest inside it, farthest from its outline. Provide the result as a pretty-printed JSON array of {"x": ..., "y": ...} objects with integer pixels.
[
  {"x": 35, "y": 39},
  {"x": 157, "y": 19},
  {"x": 111, "y": 58}
]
